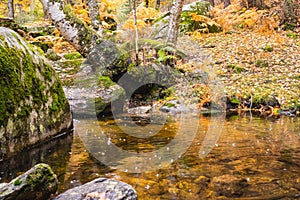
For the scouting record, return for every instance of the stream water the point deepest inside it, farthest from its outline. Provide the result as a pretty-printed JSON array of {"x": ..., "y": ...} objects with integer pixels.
[{"x": 247, "y": 158}]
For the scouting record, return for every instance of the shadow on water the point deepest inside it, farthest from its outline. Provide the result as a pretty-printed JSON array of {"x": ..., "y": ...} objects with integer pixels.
[
  {"x": 55, "y": 153},
  {"x": 250, "y": 158}
]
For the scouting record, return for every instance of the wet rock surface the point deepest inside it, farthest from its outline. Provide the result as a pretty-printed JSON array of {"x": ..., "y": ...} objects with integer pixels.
[
  {"x": 34, "y": 107},
  {"x": 100, "y": 188},
  {"x": 37, "y": 183},
  {"x": 229, "y": 186}
]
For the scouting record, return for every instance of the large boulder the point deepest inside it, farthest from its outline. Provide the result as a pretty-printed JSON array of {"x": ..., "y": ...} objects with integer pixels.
[
  {"x": 33, "y": 106},
  {"x": 100, "y": 188},
  {"x": 37, "y": 183}
]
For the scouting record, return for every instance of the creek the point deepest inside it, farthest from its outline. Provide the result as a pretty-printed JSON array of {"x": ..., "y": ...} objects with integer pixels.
[{"x": 242, "y": 157}]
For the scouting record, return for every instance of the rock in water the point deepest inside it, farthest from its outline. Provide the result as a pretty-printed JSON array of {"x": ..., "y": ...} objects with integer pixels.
[
  {"x": 33, "y": 106},
  {"x": 37, "y": 183},
  {"x": 100, "y": 188}
]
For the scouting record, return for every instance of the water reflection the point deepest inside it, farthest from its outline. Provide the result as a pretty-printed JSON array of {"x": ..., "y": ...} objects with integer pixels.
[
  {"x": 253, "y": 157},
  {"x": 56, "y": 153}
]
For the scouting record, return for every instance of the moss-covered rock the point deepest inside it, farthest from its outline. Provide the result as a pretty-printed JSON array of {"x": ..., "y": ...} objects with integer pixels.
[
  {"x": 37, "y": 183},
  {"x": 33, "y": 106},
  {"x": 52, "y": 55},
  {"x": 43, "y": 45}
]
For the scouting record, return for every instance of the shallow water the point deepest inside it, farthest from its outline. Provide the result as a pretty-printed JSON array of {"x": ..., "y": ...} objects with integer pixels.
[{"x": 243, "y": 157}]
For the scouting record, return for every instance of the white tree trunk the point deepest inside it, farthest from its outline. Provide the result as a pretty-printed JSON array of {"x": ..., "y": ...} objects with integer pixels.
[
  {"x": 10, "y": 6},
  {"x": 94, "y": 15},
  {"x": 172, "y": 33},
  {"x": 75, "y": 31}
]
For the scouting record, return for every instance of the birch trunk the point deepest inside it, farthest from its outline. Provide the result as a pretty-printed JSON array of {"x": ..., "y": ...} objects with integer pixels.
[
  {"x": 173, "y": 25},
  {"x": 75, "y": 31},
  {"x": 226, "y": 3},
  {"x": 10, "y": 6},
  {"x": 94, "y": 15}
]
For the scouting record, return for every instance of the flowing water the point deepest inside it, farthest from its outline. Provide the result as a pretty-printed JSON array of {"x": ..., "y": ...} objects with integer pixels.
[{"x": 245, "y": 157}]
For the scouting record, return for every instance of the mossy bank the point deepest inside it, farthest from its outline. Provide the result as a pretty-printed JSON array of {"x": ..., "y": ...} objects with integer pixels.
[{"x": 33, "y": 106}]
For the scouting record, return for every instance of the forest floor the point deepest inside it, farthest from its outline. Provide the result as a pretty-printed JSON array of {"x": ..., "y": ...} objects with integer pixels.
[{"x": 254, "y": 66}]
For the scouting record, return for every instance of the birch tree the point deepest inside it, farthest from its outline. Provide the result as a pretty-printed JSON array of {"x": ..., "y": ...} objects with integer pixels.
[
  {"x": 10, "y": 6},
  {"x": 75, "y": 31},
  {"x": 94, "y": 15},
  {"x": 174, "y": 20},
  {"x": 226, "y": 3}
]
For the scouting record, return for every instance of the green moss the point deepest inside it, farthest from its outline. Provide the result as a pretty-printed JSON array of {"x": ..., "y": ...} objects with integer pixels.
[
  {"x": 51, "y": 55},
  {"x": 17, "y": 182},
  {"x": 106, "y": 81},
  {"x": 59, "y": 99},
  {"x": 170, "y": 105},
  {"x": 73, "y": 56},
  {"x": 25, "y": 111},
  {"x": 43, "y": 45},
  {"x": 48, "y": 73},
  {"x": 20, "y": 84},
  {"x": 234, "y": 100},
  {"x": 42, "y": 174}
]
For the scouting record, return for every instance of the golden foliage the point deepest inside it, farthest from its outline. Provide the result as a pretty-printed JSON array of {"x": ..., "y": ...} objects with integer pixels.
[
  {"x": 111, "y": 6},
  {"x": 143, "y": 14},
  {"x": 237, "y": 17}
]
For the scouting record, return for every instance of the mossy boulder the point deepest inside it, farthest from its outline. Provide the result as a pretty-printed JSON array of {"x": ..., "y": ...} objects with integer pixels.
[
  {"x": 37, "y": 183},
  {"x": 91, "y": 96},
  {"x": 33, "y": 106}
]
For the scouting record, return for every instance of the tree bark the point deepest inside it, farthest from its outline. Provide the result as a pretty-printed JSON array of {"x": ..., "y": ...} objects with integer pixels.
[
  {"x": 10, "y": 6},
  {"x": 75, "y": 31},
  {"x": 226, "y": 3},
  {"x": 94, "y": 15},
  {"x": 212, "y": 2},
  {"x": 256, "y": 3},
  {"x": 174, "y": 20},
  {"x": 147, "y": 3},
  {"x": 157, "y": 6}
]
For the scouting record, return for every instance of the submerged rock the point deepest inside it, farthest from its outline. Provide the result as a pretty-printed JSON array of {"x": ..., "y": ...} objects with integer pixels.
[
  {"x": 37, "y": 183},
  {"x": 229, "y": 186},
  {"x": 33, "y": 106},
  {"x": 100, "y": 188}
]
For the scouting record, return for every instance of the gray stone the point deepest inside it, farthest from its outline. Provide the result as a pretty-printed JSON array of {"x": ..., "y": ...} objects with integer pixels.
[
  {"x": 38, "y": 183},
  {"x": 174, "y": 107},
  {"x": 100, "y": 188},
  {"x": 33, "y": 106}
]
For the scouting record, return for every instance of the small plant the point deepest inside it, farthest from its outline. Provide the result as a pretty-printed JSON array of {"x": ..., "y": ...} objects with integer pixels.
[
  {"x": 163, "y": 57},
  {"x": 292, "y": 35},
  {"x": 261, "y": 63},
  {"x": 288, "y": 26},
  {"x": 268, "y": 48},
  {"x": 236, "y": 68},
  {"x": 234, "y": 100}
]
